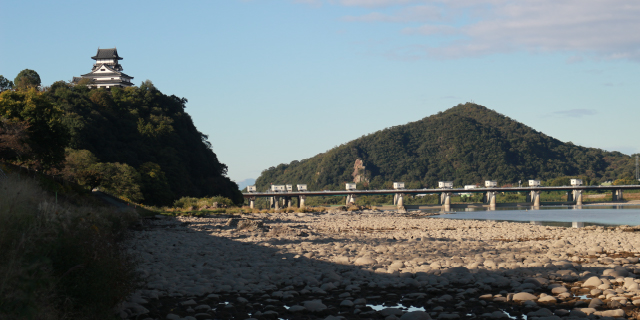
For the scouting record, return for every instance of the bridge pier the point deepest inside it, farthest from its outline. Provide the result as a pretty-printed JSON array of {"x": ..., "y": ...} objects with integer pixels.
[
  {"x": 491, "y": 198},
  {"x": 276, "y": 203},
  {"x": 301, "y": 201},
  {"x": 252, "y": 202},
  {"x": 445, "y": 199},
  {"x": 351, "y": 200},
  {"x": 535, "y": 198},
  {"x": 289, "y": 202},
  {"x": 577, "y": 195},
  {"x": 617, "y": 195},
  {"x": 399, "y": 201}
]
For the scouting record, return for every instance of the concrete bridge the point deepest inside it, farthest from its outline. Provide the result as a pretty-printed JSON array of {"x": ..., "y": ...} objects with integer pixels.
[{"x": 574, "y": 193}]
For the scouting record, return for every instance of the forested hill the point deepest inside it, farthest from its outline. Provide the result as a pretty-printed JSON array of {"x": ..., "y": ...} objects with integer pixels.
[
  {"x": 149, "y": 132},
  {"x": 467, "y": 144}
]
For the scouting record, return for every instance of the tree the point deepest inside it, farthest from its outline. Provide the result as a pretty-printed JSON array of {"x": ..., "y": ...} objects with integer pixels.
[
  {"x": 5, "y": 84},
  {"x": 27, "y": 78},
  {"x": 154, "y": 185},
  {"x": 13, "y": 137},
  {"x": 120, "y": 179},
  {"x": 81, "y": 166},
  {"x": 45, "y": 135}
]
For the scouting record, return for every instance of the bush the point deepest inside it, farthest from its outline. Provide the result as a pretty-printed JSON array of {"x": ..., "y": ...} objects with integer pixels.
[
  {"x": 60, "y": 260},
  {"x": 196, "y": 203}
]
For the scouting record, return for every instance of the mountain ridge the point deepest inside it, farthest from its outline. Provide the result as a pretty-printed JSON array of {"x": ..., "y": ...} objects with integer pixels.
[{"x": 467, "y": 143}]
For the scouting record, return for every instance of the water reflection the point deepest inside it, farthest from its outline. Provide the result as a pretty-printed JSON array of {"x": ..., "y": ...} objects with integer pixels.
[{"x": 564, "y": 216}]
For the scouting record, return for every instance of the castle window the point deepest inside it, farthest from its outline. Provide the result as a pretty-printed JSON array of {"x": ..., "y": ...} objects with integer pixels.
[{"x": 101, "y": 69}]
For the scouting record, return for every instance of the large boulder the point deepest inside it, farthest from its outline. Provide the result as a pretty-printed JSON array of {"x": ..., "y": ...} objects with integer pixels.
[
  {"x": 524, "y": 296},
  {"x": 314, "y": 305},
  {"x": 592, "y": 282},
  {"x": 364, "y": 261}
]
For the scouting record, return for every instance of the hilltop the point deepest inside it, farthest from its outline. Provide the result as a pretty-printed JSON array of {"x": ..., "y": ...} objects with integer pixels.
[
  {"x": 142, "y": 133},
  {"x": 467, "y": 144}
]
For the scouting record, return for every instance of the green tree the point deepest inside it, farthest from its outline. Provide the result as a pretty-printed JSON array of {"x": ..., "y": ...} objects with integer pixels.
[
  {"x": 46, "y": 135},
  {"x": 5, "y": 84},
  {"x": 139, "y": 125},
  {"x": 81, "y": 166},
  {"x": 27, "y": 78},
  {"x": 154, "y": 185},
  {"x": 121, "y": 180}
]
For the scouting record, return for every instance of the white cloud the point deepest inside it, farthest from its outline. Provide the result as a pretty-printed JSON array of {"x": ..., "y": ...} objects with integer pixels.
[{"x": 584, "y": 28}]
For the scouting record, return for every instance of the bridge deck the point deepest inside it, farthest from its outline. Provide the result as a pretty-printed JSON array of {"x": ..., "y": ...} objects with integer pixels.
[{"x": 437, "y": 191}]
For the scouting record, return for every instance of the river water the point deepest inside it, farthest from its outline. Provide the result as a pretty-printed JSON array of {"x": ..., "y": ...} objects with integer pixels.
[{"x": 565, "y": 216}]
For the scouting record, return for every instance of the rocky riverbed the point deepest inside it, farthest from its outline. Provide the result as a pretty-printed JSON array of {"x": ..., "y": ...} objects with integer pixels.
[{"x": 381, "y": 265}]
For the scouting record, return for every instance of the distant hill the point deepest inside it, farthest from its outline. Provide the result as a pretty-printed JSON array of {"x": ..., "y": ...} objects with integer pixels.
[
  {"x": 246, "y": 182},
  {"x": 467, "y": 144}
]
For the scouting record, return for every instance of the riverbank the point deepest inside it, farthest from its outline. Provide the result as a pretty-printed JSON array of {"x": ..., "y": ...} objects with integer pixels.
[{"x": 350, "y": 264}]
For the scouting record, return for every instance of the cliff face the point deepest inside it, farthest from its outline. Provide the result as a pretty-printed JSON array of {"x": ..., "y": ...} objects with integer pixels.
[{"x": 468, "y": 143}]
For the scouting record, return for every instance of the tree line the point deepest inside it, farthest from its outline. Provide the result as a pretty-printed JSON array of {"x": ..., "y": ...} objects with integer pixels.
[{"x": 134, "y": 142}]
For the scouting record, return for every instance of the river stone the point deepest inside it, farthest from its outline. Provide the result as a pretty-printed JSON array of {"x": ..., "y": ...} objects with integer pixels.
[
  {"x": 592, "y": 282},
  {"x": 559, "y": 290},
  {"x": 524, "y": 296},
  {"x": 364, "y": 261},
  {"x": 297, "y": 308},
  {"x": 242, "y": 300},
  {"x": 547, "y": 299},
  {"x": 415, "y": 315},
  {"x": 391, "y": 311},
  {"x": 346, "y": 303},
  {"x": 611, "y": 313},
  {"x": 581, "y": 312},
  {"x": 619, "y": 273},
  {"x": 341, "y": 260},
  {"x": 596, "y": 249},
  {"x": 203, "y": 307},
  {"x": 188, "y": 303},
  {"x": 595, "y": 303},
  {"x": 544, "y": 312},
  {"x": 172, "y": 316},
  {"x": 314, "y": 305}
]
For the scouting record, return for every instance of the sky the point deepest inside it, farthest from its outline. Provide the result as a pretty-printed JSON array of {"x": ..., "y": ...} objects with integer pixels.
[{"x": 274, "y": 81}]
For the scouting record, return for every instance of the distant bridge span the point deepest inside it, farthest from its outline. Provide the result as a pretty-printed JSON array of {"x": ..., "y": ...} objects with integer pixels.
[{"x": 575, "y": 193}]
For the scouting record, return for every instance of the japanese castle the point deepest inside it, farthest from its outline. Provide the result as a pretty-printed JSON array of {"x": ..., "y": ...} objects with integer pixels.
[{"x": 107, "y": 71}]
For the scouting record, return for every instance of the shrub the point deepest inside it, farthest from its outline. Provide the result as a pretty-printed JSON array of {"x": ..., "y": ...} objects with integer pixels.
[
  {"x": 186, "y": 202},
  {"x": 60, "y": 260}
]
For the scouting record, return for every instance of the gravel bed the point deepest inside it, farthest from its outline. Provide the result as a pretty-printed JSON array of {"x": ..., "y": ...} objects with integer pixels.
[{"x": 381, "y": 265}]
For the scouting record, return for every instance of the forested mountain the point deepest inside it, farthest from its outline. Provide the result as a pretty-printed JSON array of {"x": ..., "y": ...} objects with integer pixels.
[
  {"x": 146, "y": 130},
  {"x": 468, "y": 144}
]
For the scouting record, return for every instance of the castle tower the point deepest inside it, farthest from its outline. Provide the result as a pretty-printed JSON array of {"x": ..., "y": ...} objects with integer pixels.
[{"x": 107, "y": 71}]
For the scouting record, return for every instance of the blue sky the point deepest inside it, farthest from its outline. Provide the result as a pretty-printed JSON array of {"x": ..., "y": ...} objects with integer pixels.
[{"x": 276, "y": 81}]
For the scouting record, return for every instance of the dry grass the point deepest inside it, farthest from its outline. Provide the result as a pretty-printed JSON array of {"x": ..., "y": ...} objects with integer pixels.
[{"x": 57, "y": 260}]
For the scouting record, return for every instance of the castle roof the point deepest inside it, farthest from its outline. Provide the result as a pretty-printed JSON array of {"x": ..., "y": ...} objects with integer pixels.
[
  {"x": 107, "y": 54},
  {"x": 113, "y": 73}
]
